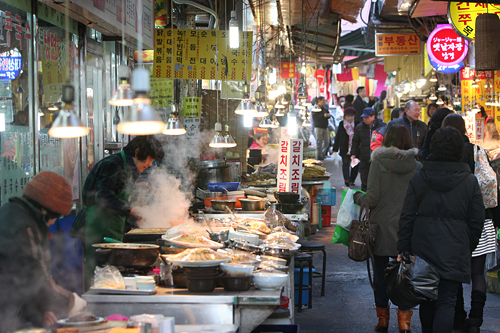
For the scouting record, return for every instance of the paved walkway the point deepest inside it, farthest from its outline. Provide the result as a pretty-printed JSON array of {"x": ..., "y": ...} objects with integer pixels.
[{"x": 349, "y": 304}]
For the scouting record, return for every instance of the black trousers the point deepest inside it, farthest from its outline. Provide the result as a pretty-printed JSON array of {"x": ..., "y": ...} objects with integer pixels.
[
  {"x": 364, "y": 169},
  {"x": 349, "y": 174},
  {"x": 438, "y": 316}
]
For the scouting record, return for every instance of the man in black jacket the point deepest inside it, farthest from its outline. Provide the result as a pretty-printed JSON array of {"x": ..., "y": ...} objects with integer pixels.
[
  {"x": 320, "y": 122},
  {"x": 359, "y": 104},
  {"x": 416, "y": 127},
  {"x": 361, "y": 143}
]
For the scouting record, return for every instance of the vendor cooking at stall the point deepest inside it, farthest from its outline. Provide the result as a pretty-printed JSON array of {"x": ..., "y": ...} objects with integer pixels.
[
  {"x": 105, "y": 195},
  {"x": 29, "y": 297}
]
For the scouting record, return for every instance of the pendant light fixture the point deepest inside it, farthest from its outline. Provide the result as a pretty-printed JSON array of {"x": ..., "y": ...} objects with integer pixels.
[
  {"x": 475, "y": 83},
  {"x": 218, "y": 139},
  {"x": 261, "y": 111},
  {"x": 439, "y": 101},
  {"x": 279, "y": 113},
  {"x": 433, "y": 97},
  {"x": 316, "y": 108},
  {"x": 123, "y": 95},
  {"x": 292, "y": 122},
  {"x": 228, "y": 138},
  {"x": 456, "y": 100},
  {"x": 475, "y": 107},
  {"x": 306, "y": 122},
  {"x": 266, "y": 122},
  {"x": 442, "y": 87},
  {"x": 433, "y": 77},
  {"x": 246, "y": 107},
  {"x": 489, "y": 101},
  {"x": 487, "y": 85},
  {"x": 53, "y": 107},
  {"x": 68, "y": 124},
  {"x": 174, "y": 126}
]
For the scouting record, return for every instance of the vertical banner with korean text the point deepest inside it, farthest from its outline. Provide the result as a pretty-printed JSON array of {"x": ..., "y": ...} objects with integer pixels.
[{"x": 289, "y": 177}]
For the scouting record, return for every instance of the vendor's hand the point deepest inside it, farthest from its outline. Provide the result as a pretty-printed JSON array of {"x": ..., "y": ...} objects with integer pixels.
[
  {"x": 49, "y": 319},
  {"x": 353, "y": 157},
  {"x": 327, "y": 115},
  {"x": 78, "y": 306}
]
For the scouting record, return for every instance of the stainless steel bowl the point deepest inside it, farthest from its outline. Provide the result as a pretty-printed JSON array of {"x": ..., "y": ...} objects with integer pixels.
[
  {"x": 251, "y": 205},
  {"x": 220, "y": 205}
]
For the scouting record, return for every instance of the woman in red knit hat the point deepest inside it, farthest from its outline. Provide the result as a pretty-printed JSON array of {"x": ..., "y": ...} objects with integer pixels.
[{"x": 28, "y": 294}]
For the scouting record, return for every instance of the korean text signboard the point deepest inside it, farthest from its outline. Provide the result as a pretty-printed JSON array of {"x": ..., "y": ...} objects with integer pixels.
[
  {"x": 287, "y": 70},
  {"x": 289, "y": 177},
  {"x": 446, "y": 47},
  {"x": 194, "y": 54},
  {"x": 462, "y": 16},
  {"x": 192, "y": 107},
  {"x": 397, "y": 44}
]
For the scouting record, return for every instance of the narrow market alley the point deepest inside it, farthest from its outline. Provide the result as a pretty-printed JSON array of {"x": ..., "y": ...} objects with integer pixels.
[{"x": 348, "y": 305}]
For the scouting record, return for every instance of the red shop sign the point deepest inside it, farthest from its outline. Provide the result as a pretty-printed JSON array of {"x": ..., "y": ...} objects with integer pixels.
[{"x": 445, "y": 46}]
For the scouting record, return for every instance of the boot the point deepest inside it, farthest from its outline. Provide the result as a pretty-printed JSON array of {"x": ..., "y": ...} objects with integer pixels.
[
  {"x": 404, "y": 320},
  {"x": 383, "y": 319},
  {"x": 478, "y": 299}
]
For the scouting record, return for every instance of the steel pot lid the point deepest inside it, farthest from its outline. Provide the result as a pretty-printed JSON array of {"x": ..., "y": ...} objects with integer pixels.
[{"x": 126, "y": 246}]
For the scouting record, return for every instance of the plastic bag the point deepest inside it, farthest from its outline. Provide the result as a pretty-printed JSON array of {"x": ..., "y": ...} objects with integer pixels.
[
  {"x": 336, "y": 159},
  {"x": 348, "y": 211},
  {"x": 410, "y": 284},
  {"x": 340, "y": 235},
  {"x": 108, "y": 277},
  {"x": 188, "y": 228},
  {"x": 277, "y": 219}
]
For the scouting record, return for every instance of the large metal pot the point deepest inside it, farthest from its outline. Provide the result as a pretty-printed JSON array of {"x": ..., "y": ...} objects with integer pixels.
[
  {"x": 126, "y": 254},
  {"x": 252, "y": 205},
  {"x": 220, "y": 205},
  {"x": 212, "y": 172},
  {"x": 234, "y": 171}
]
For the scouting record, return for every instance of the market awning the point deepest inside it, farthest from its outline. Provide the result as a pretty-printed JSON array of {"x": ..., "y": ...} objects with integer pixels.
[{"x": 354, "y": 44}]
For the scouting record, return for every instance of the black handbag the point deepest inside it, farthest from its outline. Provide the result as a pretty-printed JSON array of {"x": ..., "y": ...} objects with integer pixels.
[{"x": 362, "y": 238}]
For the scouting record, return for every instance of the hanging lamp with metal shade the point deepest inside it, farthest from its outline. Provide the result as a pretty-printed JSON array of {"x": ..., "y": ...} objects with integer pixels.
[
  {"x": 316, "y": 108},
  {"x": 439, "y": 101},
  {"x": 433, "y": 97},
  {"x": 442, "y": 87},
  {"x": 433, "y": 77},
  {"x": 218, "y": 140},
  {"x": 261, "y": 111},
  {"x": 67, "y": 123},
  {"x": 174, "y": 126},
  {"x": 266, "y": 122},
  {"x": 475, "y": 83},
  {"x": 123, "y": 96},
  {"x": 228, "y": 138}
]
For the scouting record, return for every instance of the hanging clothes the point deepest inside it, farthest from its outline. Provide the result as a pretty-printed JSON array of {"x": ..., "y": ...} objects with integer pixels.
[{"x": 319, "y": 74}]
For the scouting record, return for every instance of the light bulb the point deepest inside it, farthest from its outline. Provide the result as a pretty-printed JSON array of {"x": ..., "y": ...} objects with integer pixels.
[
  {"x": 292, "y": 123},
  {"x": 234, "y": 31}
]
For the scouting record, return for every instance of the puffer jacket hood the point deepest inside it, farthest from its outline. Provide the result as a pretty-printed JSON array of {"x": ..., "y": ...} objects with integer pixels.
[
  {"x": 444, "y": 176},
  {"x": 396, "y": 160}
]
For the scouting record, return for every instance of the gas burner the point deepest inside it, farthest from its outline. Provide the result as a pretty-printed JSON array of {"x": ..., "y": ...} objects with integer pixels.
[{"x": 133, "y": 271}]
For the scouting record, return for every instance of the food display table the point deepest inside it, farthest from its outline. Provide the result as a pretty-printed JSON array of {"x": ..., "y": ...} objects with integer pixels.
[
  {"x": 246, "y": 309},
  {"x": 105, "y": 327}
]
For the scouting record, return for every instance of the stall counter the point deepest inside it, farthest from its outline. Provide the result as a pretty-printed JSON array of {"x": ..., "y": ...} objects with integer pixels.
[{"x": 246, "y": 309}]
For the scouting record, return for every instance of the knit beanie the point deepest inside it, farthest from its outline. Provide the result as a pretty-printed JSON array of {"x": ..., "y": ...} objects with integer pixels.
[{"x": 51, "y": 191}]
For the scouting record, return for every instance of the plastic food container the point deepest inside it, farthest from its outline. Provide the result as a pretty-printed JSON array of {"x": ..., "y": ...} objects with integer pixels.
[
  {"x": 145, "y": 282},
  {"x": 269, "y": 281},
  {"x": 237, "y": 270}
]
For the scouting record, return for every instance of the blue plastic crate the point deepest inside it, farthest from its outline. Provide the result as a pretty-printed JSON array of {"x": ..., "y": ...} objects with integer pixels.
[
  {"x": 223, "y": 187},
  {"x": 277, "y": 329},
  {"x": 327, "y": 195}
]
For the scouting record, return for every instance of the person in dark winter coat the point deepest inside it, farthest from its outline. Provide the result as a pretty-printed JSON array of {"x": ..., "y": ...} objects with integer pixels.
[
  {"x": 29, "y": 296},
  {"x": 320, "y": 123},
  {"x": 359, "y": 104},
  {"x": 487, "y": 244},
  {"x": 348, "y": 101},
  {"x": 361, "y": 143},
  {"x": 410, "y": 120},
  {"x": 441, "y": 222},
  {"x": 343, "y": 145},
  {"x": 434, "y": 124},
  {"x": 392, "y": 166}
]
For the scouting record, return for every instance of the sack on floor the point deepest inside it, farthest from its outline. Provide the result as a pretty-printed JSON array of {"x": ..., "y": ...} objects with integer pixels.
[{"x": 410, "y": 284}]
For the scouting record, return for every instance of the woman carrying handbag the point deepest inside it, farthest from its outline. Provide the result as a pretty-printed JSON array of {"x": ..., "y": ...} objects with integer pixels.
[{"x": 392, "y": 166}]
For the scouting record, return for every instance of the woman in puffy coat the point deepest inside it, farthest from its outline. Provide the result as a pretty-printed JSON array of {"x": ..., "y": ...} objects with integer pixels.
[
  {"x": 441, "y": 222},
  {"x": 392, "y": 167}
]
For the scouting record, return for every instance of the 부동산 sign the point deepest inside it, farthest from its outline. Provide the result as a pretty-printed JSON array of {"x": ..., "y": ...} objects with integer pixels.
[
  {"x": 397, "y": 44},
  {"x": 462, "y": 16},
  {"x": 196, "y": 53}
]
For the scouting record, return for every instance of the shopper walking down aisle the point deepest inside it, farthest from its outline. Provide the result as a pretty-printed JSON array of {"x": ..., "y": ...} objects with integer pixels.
[
  {"x": 343, "y": 145},
  {"x": 359, "y": 104},
  {"x": 320, "y": 122},
  {"x": 361, "y": 143},
  {"x": 487, "y": 242},
  {"x": 410, "y": 120},
  {"x": 441, "y": 222},
  {"x": 434, "y": 124},
  {"x": 392, "y": 166}
]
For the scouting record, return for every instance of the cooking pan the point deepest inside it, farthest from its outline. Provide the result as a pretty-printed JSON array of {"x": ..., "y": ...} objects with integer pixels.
[
  {"x": 130, "y": 255},
  {"x": 252, "y": 205},
  {"x": 144, "y": 236}
]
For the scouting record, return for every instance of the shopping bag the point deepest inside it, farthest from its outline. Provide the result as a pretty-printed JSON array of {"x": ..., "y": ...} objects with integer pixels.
[
  {"x": 348, "y": 211},
  {"x": 341, "y": 235},
  {"x": 409, "y": 284},
  {"x": 486, "y": 177}
]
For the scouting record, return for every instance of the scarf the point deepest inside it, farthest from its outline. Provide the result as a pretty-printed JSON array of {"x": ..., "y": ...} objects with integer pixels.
[{"x": 349, "y": 128}]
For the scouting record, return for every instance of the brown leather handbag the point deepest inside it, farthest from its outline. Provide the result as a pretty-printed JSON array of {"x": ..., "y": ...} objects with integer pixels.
[{"x": 362, "y": 236}]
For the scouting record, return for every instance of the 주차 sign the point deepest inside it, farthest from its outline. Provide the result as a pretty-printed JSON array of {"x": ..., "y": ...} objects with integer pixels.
[
  {"x": 397, "y": 44},
  {"x": 201, "y": 55},
  {"x": 446, "y": 47},
  {"x": 462, "y": 16}
]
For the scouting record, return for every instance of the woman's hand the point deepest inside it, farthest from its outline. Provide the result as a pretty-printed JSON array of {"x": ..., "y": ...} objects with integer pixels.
[{"x": 49, "y": 319}]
